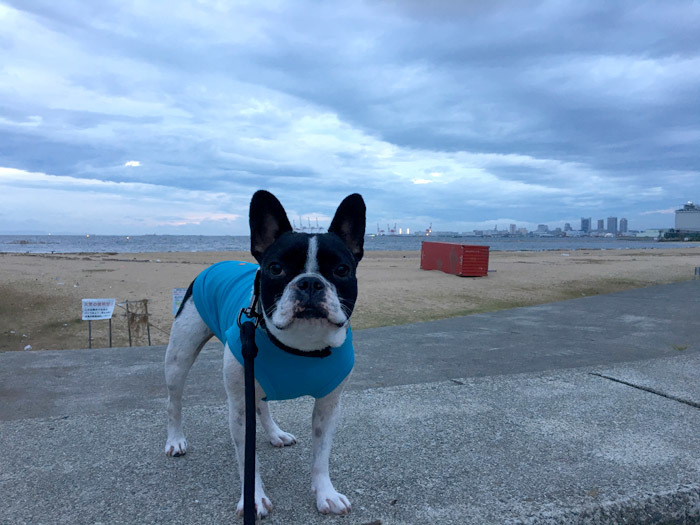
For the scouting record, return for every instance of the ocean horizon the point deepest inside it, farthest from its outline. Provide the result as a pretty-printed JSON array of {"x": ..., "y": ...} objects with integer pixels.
[{"x": 223, "y": 243}]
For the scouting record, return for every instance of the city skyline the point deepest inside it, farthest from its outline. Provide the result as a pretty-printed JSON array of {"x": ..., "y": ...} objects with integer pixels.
[{"x": 311, "y": 224}]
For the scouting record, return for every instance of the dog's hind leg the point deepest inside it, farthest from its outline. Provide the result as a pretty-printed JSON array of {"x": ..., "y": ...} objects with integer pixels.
[
  {"x": 187, "y": 337},
  {"x": 277, "y": 436}
]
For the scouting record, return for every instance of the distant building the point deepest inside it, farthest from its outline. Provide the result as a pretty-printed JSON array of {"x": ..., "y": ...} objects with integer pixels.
[
  {"x": 513, "y": 229},
  {"x": 655, "y": 234},
  {"x": 623, "y": 225},
  {"x": 542, "y": 228},
  {"x": 601, "y": 225},
  {"x": 612, "y": 225},
  {"x": 586, "y": 224},
  {"x": 688, "y": 218},
  {"x": 567, "y": 227}
]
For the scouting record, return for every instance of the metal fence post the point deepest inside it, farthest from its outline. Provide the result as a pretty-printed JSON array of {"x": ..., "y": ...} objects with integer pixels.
[
  {"x": 128, "y": 321},
  {"x": 148, "y": 321}
]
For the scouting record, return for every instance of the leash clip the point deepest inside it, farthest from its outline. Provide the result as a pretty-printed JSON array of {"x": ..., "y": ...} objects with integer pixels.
[
  {"x": 250, "y": 314},
  {"x": 252, "y": 311}
]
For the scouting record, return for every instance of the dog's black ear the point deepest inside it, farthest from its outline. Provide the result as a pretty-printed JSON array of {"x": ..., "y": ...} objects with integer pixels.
[
  {"x": 268, "y": 221},
  {"x": 349, "y": 224}
]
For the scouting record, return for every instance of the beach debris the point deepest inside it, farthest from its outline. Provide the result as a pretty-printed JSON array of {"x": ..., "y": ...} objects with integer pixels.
[
  {"x": 76, "y": 285},
  {"x": 28, "y": 347},
  {"x": 12, "y": 331}
]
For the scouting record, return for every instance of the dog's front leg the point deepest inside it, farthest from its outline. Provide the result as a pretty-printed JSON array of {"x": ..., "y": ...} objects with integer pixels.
[
  {"x": 325, "y": 420},
  {"x": 234, "y": 380}
]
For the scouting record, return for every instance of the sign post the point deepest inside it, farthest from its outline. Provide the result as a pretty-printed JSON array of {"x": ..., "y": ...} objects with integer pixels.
[{"x": 96, "y": 310}]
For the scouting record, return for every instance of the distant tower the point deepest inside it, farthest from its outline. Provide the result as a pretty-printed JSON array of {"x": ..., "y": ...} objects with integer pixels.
[
  {"x": 513, "y": 229},
  {"x": 586, "y": 224},
  {"x": 623, "y": 225},
  {"x": 612, "y": 225},
  {"x": 567, "y": 227},
  {"x": 601, "y": 225}
]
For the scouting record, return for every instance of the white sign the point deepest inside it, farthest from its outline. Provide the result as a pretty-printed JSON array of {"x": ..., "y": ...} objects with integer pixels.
[
  {"x": 178, "y": 296},
  {"x": 97, "y": 309}
]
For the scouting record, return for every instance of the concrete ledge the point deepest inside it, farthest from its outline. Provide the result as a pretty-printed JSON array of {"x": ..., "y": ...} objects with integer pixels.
[{"x": 617, "y": 328}]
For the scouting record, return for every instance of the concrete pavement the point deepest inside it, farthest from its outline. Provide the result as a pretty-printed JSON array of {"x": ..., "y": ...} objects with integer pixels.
[{"x": 582, "y": 411}]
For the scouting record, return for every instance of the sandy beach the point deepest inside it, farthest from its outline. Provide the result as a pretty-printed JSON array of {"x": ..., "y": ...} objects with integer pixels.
[{"x": 41, "y": 293}]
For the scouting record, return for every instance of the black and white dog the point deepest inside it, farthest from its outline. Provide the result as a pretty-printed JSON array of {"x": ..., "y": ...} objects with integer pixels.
[{"x": 307, "y": 292}]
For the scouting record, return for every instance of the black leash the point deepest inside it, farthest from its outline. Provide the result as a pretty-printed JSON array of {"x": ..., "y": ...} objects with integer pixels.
[{"x": 249, "y": 350}]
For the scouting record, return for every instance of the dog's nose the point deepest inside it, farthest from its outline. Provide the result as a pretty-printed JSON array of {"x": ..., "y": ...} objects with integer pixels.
[{"x": 310, "y": 285}]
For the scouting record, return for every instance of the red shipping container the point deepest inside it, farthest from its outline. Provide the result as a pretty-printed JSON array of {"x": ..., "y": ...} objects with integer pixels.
[{"x": 458, "y": 259}]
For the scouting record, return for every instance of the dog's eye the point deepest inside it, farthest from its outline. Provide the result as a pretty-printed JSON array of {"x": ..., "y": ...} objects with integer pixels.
[
  {"x": 275, "y": 269},
  {"x": 342, "y": 271}
]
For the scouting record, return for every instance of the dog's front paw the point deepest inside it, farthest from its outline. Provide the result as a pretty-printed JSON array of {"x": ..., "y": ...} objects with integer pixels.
[
  {"x": 281, "y": 438},
  {"x": 263, "y": 505},
  {"x": 176, "y": 446},
  {"x": 330, "y": 500}
]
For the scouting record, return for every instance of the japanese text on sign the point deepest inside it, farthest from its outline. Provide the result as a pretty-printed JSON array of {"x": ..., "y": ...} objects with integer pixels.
[{"x": 97, "y": 309}]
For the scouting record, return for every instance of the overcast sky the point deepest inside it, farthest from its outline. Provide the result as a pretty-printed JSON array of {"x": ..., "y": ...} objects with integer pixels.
[{"x": 128, "y": 117}]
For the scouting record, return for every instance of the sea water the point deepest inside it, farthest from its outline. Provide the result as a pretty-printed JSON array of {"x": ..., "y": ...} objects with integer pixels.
[{"x": 206, "y": 243}]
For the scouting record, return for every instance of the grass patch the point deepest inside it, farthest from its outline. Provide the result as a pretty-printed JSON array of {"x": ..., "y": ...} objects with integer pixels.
[
  {"x": 361, "y": 320},
  {"x": 397, "y": 313},
  {"x": 54, "y": 325}
]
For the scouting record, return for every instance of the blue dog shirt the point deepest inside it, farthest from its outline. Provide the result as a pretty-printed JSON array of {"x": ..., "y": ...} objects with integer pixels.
[{"x": 219, "y": 293}]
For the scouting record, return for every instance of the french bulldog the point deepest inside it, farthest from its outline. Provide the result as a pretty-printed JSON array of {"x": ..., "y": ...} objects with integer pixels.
[{"x": 307, "y": 293}]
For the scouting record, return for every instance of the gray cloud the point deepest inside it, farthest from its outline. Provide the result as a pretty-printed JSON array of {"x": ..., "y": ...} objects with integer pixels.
[{"x": 444, "y": 112}]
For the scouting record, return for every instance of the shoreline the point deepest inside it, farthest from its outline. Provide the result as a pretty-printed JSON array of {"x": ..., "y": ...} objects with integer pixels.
[{"x": 41, "y": 292}]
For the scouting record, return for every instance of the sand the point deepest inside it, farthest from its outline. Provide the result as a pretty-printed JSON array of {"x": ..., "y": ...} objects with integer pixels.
[{"x": 40, "y": 294}]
